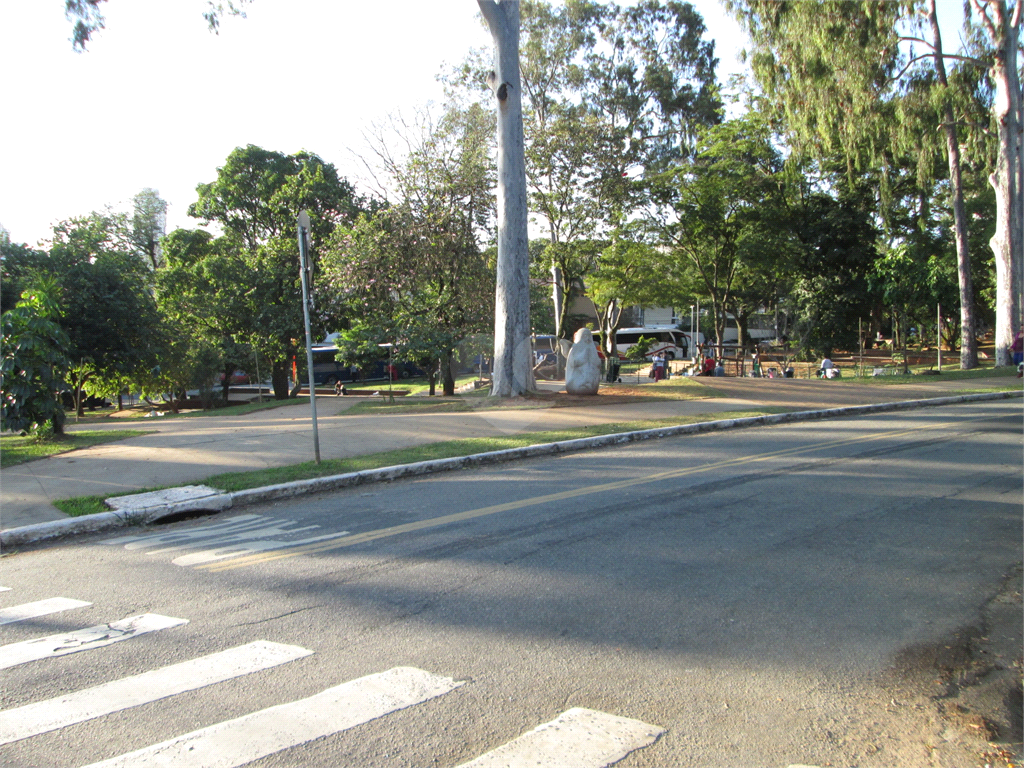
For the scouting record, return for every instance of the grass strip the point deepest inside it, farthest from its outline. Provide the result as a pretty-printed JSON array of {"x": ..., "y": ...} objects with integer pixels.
[
  {"x": 238, "y": 481},
  {"x": 17, "y": 449}
]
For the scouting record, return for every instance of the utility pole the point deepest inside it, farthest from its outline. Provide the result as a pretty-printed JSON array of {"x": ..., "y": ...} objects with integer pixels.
[{"x": 304, "y": 269}]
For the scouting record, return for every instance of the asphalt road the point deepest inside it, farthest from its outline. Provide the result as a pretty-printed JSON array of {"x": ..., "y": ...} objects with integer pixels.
[{"x": 762, "y": 597}]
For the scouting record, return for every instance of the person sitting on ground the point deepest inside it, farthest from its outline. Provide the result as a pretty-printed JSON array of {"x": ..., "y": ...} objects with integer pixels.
[
  {"x": 827, "y": 369},
  {"x": 339, "y": 389},
  {"x": 719, "y": 369},
  {"x": 709, "y": 367}
]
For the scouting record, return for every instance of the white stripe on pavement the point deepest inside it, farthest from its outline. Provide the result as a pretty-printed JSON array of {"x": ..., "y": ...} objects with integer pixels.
[
  {"x": 5, "y": 589},
  {"x": 77, "y": 707},
  {"x": 244, "y": 739},
  {"x": 578, "y": 738},
  {"x": 39, "y": 608},
  {"x": 84, "y": 639}
]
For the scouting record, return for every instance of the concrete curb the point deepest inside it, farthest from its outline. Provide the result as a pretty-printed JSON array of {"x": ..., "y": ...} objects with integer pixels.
[{"x": 102, "y": 521}]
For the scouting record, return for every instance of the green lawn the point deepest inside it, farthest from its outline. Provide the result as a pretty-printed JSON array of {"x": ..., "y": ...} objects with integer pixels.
[
  {"x": 237, "y": 481},
  {"x": 15, "y": 449},
  {"x": 918, "y": 375}
]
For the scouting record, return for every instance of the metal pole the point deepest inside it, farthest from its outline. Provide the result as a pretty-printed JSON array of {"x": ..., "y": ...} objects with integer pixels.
[
  {"x": 697, "y": 337},
  {"x": 304, "y": 268},
  {"x": 938, "y": 334},
  {"x": 860, "y": 337}
]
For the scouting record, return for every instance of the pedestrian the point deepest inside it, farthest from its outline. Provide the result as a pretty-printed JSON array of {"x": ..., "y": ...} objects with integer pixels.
[
  {"x": 1018, "y": 347},
  {"x": 719, "y": 369},
  {"x": 658, "y": 363},
  {"x": 755, "y": 366}
]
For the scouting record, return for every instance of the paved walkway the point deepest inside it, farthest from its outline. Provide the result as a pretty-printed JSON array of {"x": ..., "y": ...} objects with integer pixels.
[{"x": 183, "y": 451}]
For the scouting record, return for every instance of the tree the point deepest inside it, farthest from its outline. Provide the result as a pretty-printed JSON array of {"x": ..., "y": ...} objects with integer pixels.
[
  {"x": 838, "y": 74},
  {"x": 256, "y": 198},
  {"x": 513, "y": 352},
  {"x": 204, "y": 295},
  {"x": 413, "y": 274},
  {"x": 106, "y": 308},
  {"x": 148, "y": 224},
  {"x": 33, "y": 365},
  {"x": 1002, "y": 25},
  {"x": 615, "y": 94},
  {"x": 831, "y": 290},
  {"x": 720, "y": 218},
  {"x": 87, "y": 19},
  {"x": 18, "y": 263},
  {"x": 624, "y": 277}
]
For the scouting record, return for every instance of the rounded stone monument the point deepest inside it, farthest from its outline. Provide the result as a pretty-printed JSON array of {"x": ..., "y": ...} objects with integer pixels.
[{"x": 583, "y": 366}]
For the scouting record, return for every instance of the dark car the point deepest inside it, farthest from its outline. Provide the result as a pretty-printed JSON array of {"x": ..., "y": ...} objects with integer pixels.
[{"x": 67, "y": 398}]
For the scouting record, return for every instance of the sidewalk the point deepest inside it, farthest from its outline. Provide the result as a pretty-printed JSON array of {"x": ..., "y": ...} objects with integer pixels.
[{"x": 184, "y": 451}]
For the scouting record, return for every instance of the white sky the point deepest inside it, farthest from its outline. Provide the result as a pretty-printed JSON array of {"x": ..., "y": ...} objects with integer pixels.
[{"x": 158, "y": 101}]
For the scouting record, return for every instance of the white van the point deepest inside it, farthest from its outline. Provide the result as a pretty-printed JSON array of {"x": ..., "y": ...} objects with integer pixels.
[{"x": 668, "y": 340}]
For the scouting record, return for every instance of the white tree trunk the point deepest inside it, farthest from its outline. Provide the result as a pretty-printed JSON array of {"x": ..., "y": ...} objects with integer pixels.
[
  {"x": 513, "y": 350},
  {"x": 968, "y": 341},
  {"x": 1003, "y": 27}
]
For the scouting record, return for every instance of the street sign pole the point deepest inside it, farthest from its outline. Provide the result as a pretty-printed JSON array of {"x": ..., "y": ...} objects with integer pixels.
[{"x": 304, "y": 268}]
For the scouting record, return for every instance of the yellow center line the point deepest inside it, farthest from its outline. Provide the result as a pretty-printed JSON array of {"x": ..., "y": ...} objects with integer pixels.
[{"x": 381, "y": 533}]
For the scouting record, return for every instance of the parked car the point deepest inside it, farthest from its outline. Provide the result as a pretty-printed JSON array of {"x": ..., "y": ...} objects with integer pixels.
[
  {"x": 238, "y": 377},
  {"x": 67, "y": 398}
]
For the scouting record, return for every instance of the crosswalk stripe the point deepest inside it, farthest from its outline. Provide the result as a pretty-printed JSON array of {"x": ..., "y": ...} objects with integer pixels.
[
  {"x": 578, "y": 738},
  {"x": 84, "y": 639},
  {"x": 39, "y": 608},
  {"x": 5, "y": 589},
  {"x": 244, "y": 739},
  {"x": 77, "y": 707}
]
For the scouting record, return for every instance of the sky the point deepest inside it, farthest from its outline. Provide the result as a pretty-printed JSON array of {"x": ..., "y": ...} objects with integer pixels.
[{"x": 158, "y": 101}]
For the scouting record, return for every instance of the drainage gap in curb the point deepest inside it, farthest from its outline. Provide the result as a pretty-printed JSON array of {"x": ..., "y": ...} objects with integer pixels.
[{"x": 178, "y": 517}]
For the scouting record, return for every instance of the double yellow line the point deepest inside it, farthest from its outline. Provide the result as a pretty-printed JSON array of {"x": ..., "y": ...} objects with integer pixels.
[{"x": 434, "y": 522}]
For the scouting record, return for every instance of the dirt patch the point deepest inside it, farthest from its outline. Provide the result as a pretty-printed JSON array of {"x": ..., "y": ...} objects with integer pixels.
[{"x": 972, "y": 682}]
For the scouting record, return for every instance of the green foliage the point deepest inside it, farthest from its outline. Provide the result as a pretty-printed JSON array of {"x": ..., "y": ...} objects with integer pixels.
[
  {"x": 832, "y": 291},
  {"x": 413, "y": 274},
  {"x": 726, "y": 223},
  {"x": 107, "y": 309},
  {"x": 638, "y": 352},
  {"x": 256, "y": 198},
  {"x": 33, "y": 366},
  {"x": 18, "y": 263}
]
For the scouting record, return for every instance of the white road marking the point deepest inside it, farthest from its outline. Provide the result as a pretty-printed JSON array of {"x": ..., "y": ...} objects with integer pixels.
[
  {"x": 77, "y": 707},
  {"x": 244, "y": 739},
  {"x": 84, "y": 639},
  {"x": 238, "y": 550},
  {"x": 578, "y": 738},
  {"x": 5, "y": 589},
  {"x": 235, "y": 537},
  {"x": 184, "y": 537},
  {"x": 39, "y": 608}
]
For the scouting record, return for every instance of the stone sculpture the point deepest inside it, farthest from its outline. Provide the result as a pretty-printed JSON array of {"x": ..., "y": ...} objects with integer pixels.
[{"x": 583, "y": 366}]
